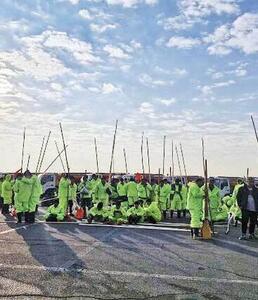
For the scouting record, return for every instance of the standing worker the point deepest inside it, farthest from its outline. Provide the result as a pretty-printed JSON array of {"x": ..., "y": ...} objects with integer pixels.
[
  {"x": 121, "y": 190},
  {"x": 195, "y": 206},
  {"x": 144, "y": 190},
  {"x": 247, "y": 199},
  {"x": 131, "y": 192},
  {"x": 36, "y": 192},
  {"x": 85, "y": 194},
  {"x": 63, "y": 192},
  {"x": 214, "y": 198},
  {"x": 102, "y": 192},
  {"x": 7, "y": 194},
  {"x": 177, "y": 198},
  {"x": 72, "y": 194},
  {"x": 163, "y": 191}
]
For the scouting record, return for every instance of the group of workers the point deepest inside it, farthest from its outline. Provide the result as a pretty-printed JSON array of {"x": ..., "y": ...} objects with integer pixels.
[
  {"x": 127, "y": 201},
  {"x": 23, "y": 191}
]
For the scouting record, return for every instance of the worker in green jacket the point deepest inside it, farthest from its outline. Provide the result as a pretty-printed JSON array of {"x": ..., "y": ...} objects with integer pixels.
[
  {"x": 163, "y": 191},
  {"x": 102, "y": 192},
  {"x": 55, "y": 213},
  {"x": 214, "y": 198},
  {"x": 221, "y": 214},
  {"x": 72, "y": 195},
  {"x": 195, "y": 205},
  {"x": 98, "y": 213},
  {"x": 93, "y": 182},
  {"x": 144, "y": 190},
  {"x": 135, "y": 214},
  {"x": 239, "y": 184},
  {"x": 36, "y": 192},
  {"x": 152, "y": 213},
  {"x": 122, "y": 193},
  {"x": 63, "y": 192},
  {"x": 177, "y": 196},
  {"x": 131, "y": 192},
  {"x": 23, "y": 192},
  {"x": 117, "y": 214},
  {"x": 7, "y": 194}
]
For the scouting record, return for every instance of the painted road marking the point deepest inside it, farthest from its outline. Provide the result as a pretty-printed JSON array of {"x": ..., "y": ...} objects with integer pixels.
[{"x": 131, "y": 274}]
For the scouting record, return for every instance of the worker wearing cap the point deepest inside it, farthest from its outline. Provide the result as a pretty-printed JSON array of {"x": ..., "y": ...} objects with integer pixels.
[
  {"x": 23, "y": 192},
  {"x": 152, "y": 213},
  {"x": 55, "y": 213},
  {"x": 117, "y": 214},
  {"x": 98, "y": 213},
  {"x": 135, "y": 214},
  {"x": 122, "y": 193},
  {"x": 63, "y": 192},
  {"x": 214, "y": 198},
  {"x": 36, "y": 192},
  {"x": 131, "y": 192},
  {"x": 144, "y": 190},
  {"x": 195, "y": 201},
  {"x": 102, "y": 192},
  {"x": 163, "y": 191},
  {"x": 85, "y": 192},
  {"x": 177, "y": 198},
  {"x": 7, "y": 194}
]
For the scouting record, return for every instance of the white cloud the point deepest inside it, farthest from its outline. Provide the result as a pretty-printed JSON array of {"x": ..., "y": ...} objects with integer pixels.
[
  {"x": 125, "y": 68},
  {"x": 208, "y": 89},
  {"x": 146, "y": 108},
  {"x": 116, "y": 52},
  {"x": 179, "y": 72},
  {"x": 109, "y": 88},
  {"x": 167, "y": 102},
  {"x": 194, "y": 11},
  {"x": 85, "y": 14},
  {"x": 149, "y": 81},
  {"x": 182, "y": 42},
  {"x": 131, "y": 3},
  {"x": 241, "y": 34},
  {"x": 102, "y": 28}
]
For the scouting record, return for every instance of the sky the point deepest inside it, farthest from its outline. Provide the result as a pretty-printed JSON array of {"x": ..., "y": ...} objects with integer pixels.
[{"x": 184, "y": 69}]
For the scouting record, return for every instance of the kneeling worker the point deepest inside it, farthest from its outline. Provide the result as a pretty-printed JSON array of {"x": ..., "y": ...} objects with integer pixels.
[
  {"x": 135, "y": 214},
  {"x": 55, "y": 213},
  {"x": 117, "y": 214},
  {"x": 98, "y": 213},
  {"x": 152, "y": 213}
]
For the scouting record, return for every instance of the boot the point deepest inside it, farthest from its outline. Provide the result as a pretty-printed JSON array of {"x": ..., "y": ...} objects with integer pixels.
[
  {"x": 19, "y": 217},
  {"x": 179, "y": 214},
  {"x": 196, "y": 233},
  {"x": 184, "y": 213},
  {"x": 192, "y": 232},
  {"x": 26, "y": 217},
  {"x": 164, "y": 215},
  {"x": 31, "y": 217},
  {"x": 171, "y": 214}
]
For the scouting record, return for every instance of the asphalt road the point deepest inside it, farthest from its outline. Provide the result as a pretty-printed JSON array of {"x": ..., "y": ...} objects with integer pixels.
[{"x": 67, "y": 261}]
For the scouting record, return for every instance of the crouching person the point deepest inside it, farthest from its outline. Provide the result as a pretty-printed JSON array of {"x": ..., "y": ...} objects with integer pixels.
[
  {"x": 98, "y": 213},
  {"x": 55, "y": 213},
  {"x": 135, "y": 214},
  {"x": 117, "y": 214},
  {"x": 152, "y": 213}
]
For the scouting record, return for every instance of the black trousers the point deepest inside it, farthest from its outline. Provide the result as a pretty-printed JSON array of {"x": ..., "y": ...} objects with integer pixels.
[
  {"x": 251, "y": 217},
  {"x": 51, "y": 218}
]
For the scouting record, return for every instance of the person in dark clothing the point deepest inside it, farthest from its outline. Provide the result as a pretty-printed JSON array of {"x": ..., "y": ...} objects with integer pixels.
[{"x": 247, "y": 199}]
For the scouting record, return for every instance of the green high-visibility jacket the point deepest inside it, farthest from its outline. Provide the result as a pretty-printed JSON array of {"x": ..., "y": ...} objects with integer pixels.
[
  {"x": 131, "y": 189},
  {"x": 214, "y": 197},
  {"x": 144, "y": 191},
  {"x": 117, "y": 213},
  {"x": 133, "y": 211},
  {"x": 72, "y": 191},
  {"x": 163, "y": 192},
  {"x": 235, "y": 192},
  {"x": 121, "y": 189},
  {"x": 23, "y": 193},
  {"x": 36, "y": 192},
  {"x": 94, "y": 211},
  {"x": 7, "y": 192},
  {"x": 56, "y": 211},
  {"x": 101, "y": 194},
  {"x": 153, "y": 211},
  {"x": 1, "y": 183},
  {"x": 195, "y": 197},
  {"x": 63, "y": 192}
]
